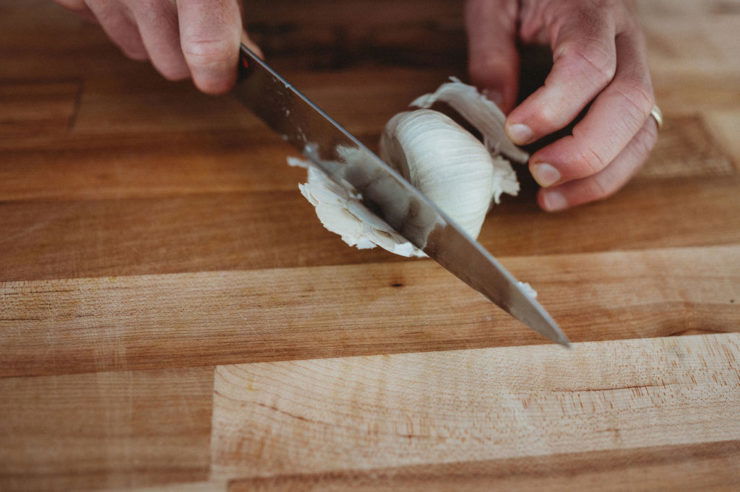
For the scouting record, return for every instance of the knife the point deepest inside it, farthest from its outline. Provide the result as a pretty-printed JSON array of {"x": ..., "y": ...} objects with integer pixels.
[{"x": 321, "y": 139}]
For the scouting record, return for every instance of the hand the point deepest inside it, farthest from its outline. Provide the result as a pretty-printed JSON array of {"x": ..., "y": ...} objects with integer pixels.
[
  {"x": 598, "y": 59},
  {"x": 181, "y": 38}
]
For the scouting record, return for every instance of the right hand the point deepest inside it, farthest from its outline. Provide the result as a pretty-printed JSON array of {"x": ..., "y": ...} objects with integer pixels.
[{"x": 196, "y": 39}]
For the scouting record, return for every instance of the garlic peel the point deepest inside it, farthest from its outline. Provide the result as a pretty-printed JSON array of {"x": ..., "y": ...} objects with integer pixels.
[
  {"x": 504, "y": 179},
  {"x": 340, "y": 210},
  {"x": 477, "y": 109}
]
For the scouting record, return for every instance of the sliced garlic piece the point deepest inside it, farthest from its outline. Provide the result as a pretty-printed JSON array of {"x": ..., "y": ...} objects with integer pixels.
[
  {"x": 480, "y": 111},
  {"x": 340, "y": 210}
]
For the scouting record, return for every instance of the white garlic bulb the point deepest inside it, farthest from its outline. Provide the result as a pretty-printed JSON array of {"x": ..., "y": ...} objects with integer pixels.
[
  {"x": 444, "y": 161},
  {"x": 460, "y": 174}
]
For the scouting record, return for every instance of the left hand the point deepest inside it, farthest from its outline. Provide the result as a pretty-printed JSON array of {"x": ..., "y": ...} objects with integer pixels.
[{"x": 599, "y": 58}]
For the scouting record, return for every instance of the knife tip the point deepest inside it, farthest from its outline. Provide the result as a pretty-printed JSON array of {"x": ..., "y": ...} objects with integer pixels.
[{"x": 563, "y": 340}]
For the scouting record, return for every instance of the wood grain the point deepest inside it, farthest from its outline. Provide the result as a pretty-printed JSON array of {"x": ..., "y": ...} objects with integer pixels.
[
  {"x": 223, "y": 317},
  {"x": 261, "y": 230},
  {"x": 32, "y": 108},
  {"x": 725, "y": 125},
  {"x": 105, "y": 429},
  {"x": 686, "y": 149},
  {"x": 706, "y": 466},
  {"x": 446, "y": 407},
  {"x": 210, "y": 486},
  {"x": 124, "y": 163}
]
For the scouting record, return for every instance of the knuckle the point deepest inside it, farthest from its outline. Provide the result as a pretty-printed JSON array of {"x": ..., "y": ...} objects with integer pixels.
[
  {"x": 598, "y": 62},
  {"x": 646, "y": 139},
  {"x": 589, "y": 162},
  {"x": 548, "y": 116},
  {"x": 208, "y": 52},
  {"x": 596, "y": 188},
  {"x": 641, "y": 98},
  {"x": 639, "y": 101}
]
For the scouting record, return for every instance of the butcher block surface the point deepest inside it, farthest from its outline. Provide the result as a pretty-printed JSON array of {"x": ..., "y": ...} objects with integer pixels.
[{"x": 174, "y": 317}]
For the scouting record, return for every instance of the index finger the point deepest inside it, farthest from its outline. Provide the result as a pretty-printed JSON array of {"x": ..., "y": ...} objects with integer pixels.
[{"x": 210, "y": 31}]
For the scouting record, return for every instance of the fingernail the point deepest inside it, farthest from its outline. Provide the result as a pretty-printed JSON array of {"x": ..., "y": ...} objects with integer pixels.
[
  {"x": 545, "y": 174},
  {"x": 519, "y": 133},
  {"x": 554, "y": 201}
]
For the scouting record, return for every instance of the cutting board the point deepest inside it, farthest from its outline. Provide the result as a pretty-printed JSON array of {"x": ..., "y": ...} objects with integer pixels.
[{"x": 173, "y": 315}]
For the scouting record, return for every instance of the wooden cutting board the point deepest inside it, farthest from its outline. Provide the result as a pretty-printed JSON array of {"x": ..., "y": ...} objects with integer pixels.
[{"x": 173, "y": 315}]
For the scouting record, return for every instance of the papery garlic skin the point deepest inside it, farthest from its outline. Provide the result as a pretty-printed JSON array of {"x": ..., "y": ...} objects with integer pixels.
[
  {"x": 444, "y": 161},
  {"x": 340, "y": 210},
  {"x": 479, "y": 111}
]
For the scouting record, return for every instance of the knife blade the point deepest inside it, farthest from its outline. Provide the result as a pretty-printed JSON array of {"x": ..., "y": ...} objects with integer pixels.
[{"x": 326, "y": 143}]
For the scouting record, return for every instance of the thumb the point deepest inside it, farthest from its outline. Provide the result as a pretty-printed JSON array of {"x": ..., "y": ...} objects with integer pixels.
[{"x": 493, "y": 60}]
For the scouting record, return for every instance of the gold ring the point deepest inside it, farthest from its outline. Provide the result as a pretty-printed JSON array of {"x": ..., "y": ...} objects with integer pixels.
[{"x": 657, "y": 115}]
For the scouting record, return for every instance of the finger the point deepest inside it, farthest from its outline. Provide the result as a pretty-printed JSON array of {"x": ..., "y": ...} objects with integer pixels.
[
  {"x": 584, "y": 63},
  {"x": 492, "y": 54},
  {"x": 157, "y": 22},
  {"x": 245, "y": 39},
  {"x": 614, "y": 118},
  {"x": 210, "y": 31},
  {"x": 607, "y": 181},
  {"x": 78, "y": 7},
  {"x": 119, "y": 27}
]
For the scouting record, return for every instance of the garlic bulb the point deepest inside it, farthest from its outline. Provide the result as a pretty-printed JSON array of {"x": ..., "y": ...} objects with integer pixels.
[
  {"x": 460, "y": 174},
  {"x": 444, "y": 161}
]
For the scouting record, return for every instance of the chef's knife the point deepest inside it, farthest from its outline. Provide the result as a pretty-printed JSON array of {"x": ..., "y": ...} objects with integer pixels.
[{"x": 323, "y": 141}]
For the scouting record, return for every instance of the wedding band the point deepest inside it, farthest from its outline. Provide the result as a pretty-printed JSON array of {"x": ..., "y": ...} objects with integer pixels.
[{"x": 657, "y": 115}]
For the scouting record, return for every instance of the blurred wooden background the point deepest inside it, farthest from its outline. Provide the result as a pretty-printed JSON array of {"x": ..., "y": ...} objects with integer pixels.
[{"x": 173, "y": 314}]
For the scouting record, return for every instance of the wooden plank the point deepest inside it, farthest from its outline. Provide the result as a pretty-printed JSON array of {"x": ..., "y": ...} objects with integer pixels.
[
  {"x": 180, "y": 487},
  {"x": 105, "y": 429},
  {"x": 446, "y": 407},
  {"x": 210, "y": 318},
  {"x": 140, "y": 166},
  {"x": 123, "y": 164},
  {"x": 37, "y": 107},
  {"x": 230, "y": 231},
  {"x": 725, "y": 126},
  {"x": 643, "y": 215},
  {"x": 685, "y": 149},
  {"x": 706, "y": 466}
]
